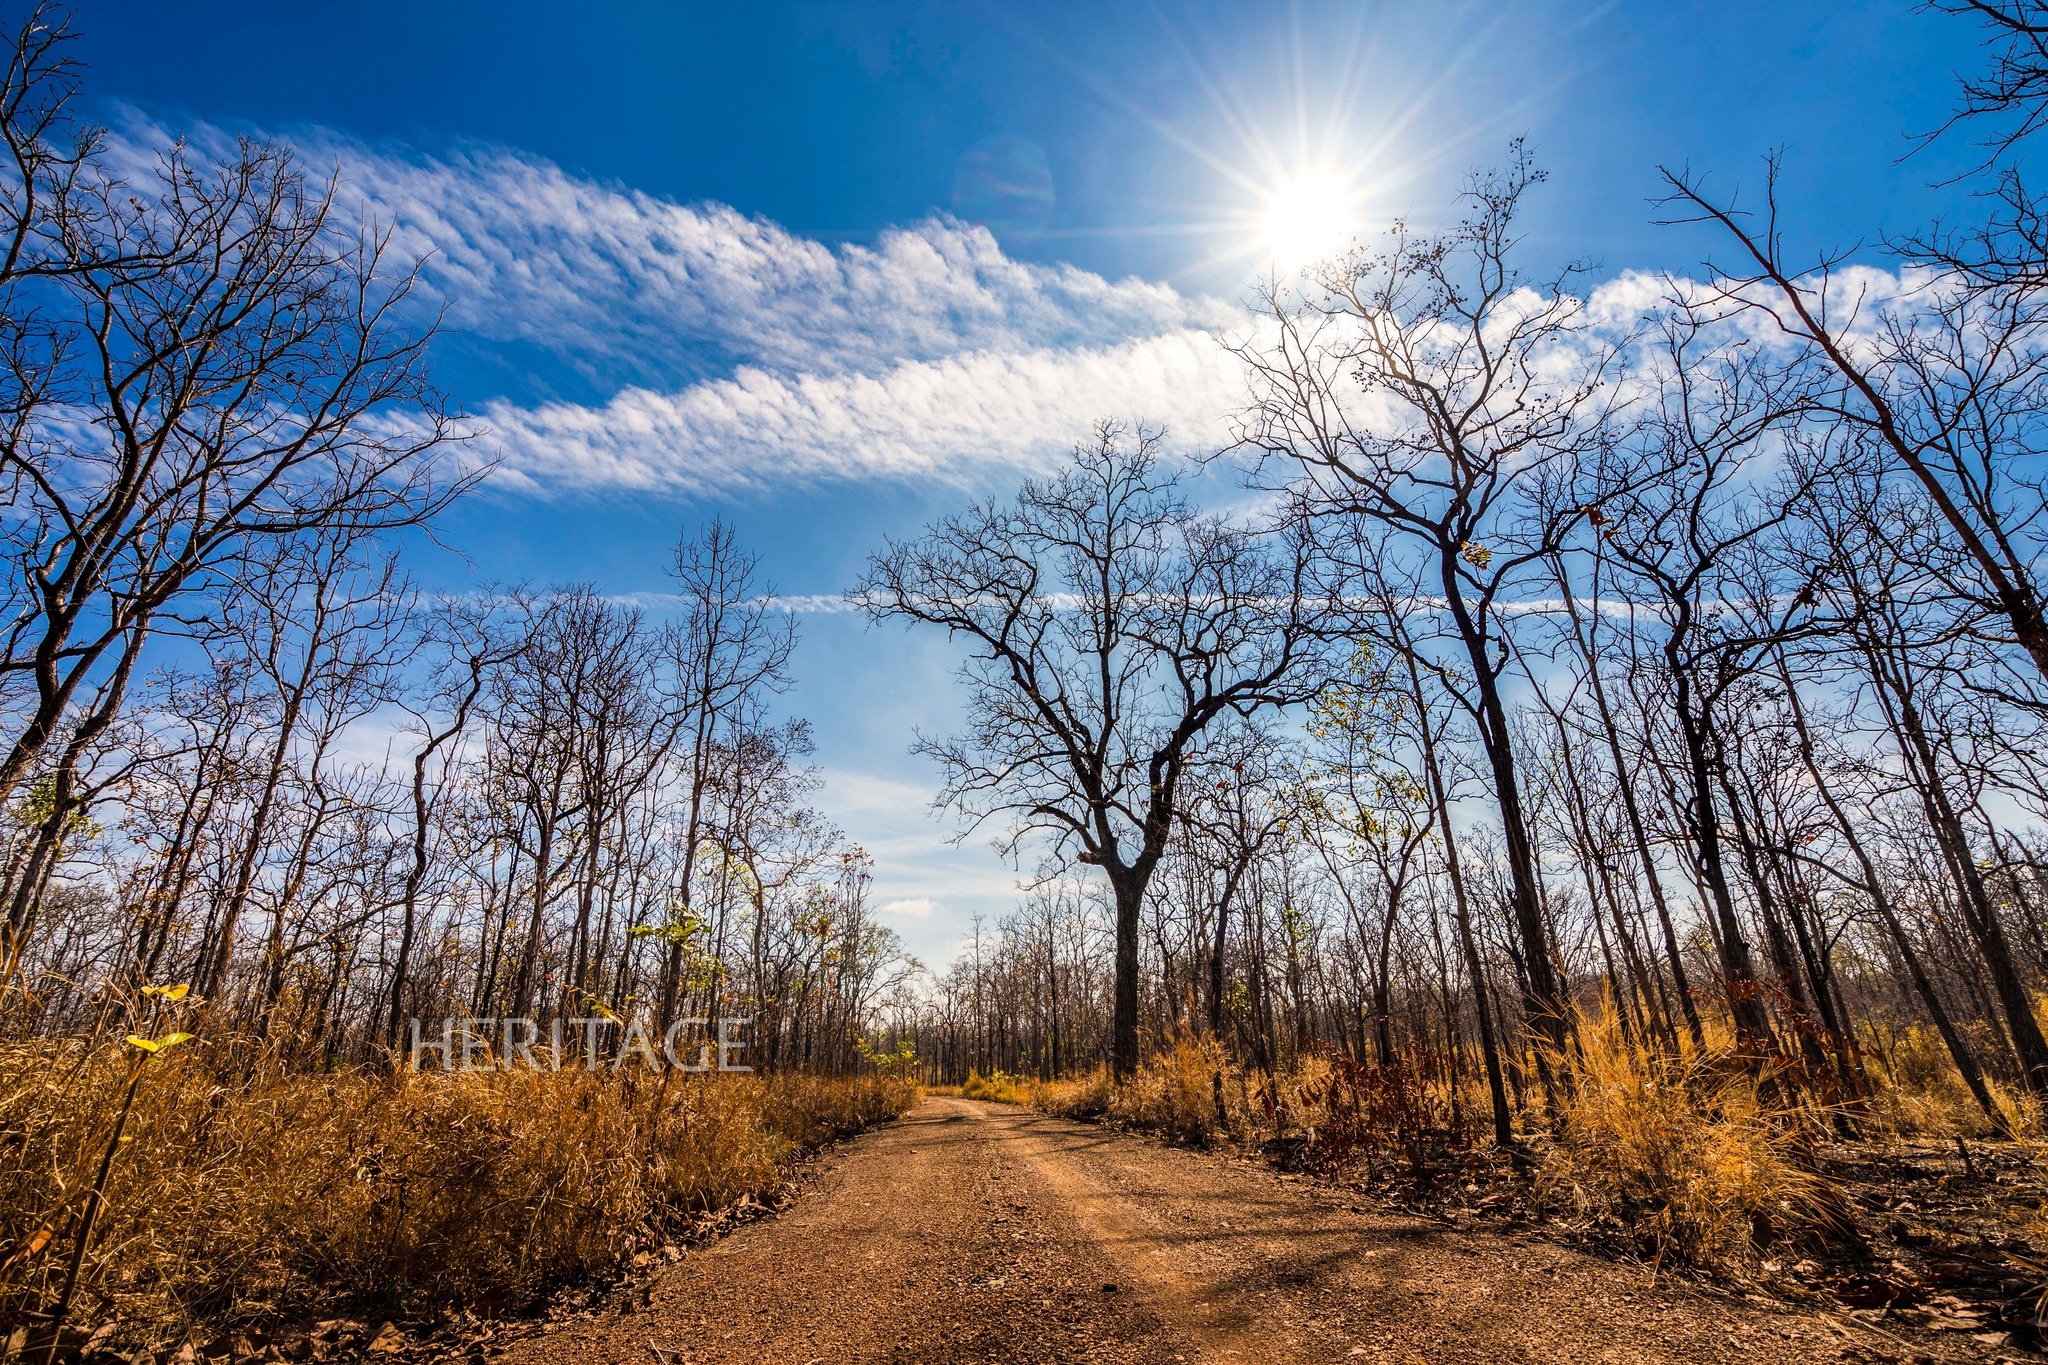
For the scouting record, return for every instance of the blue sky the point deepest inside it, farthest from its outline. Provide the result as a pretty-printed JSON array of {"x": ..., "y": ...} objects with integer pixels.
[{"x": 830, "y": 270}]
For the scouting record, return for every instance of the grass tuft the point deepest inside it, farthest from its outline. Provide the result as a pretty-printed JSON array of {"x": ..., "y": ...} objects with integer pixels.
[
  {"x": 998, "y": 1086},
  {"x": 1689, "y": 1158}
]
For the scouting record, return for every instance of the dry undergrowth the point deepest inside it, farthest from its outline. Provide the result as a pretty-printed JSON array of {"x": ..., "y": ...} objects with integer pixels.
[
  {"x": 1690, "y": 1158},
  {"x": 999, "y": 1087},
  {"x": 1173, "y": 1094},
  {"x": 245, "y": 1194},
  {"x": 1687, "y": 1159}
]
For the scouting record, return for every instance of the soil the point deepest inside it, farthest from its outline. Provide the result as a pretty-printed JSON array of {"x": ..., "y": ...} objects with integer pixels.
[{"x": 979, "y": 1232}]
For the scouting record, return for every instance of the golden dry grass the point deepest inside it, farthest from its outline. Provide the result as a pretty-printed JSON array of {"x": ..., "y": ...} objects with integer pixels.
[
  {"x": 1921, "y": 1094},
  {"x": 245, "y": 1194},
  {"x": 1173, "y": 1093},
  {"x": 998, "y": 1086},
  {"x": 1688, "y": 1157}
]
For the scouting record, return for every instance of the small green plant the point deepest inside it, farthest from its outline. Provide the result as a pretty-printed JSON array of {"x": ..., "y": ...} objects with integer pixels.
[{"x": 901, "y": 1062}]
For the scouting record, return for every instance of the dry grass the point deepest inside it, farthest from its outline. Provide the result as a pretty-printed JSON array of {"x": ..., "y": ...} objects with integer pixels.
[
  {"x": 1088, "y": 1096},
  {"x": 1689, "y": 1157},
  {"x": 247, "y": 1195},
  {"x": 1173, "y": 1093},
  {"x": 998, "y": 1086},
  {"x": 1923, "y": 1095},
  {"x": 1325, "y": 1113}
]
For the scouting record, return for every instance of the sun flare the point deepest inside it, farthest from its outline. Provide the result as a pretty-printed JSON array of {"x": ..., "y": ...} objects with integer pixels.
[{"x": 1308, "y": 216}]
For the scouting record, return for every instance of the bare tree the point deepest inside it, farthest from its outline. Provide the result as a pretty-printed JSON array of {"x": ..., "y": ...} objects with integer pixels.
[
  {"x": 1109, "y": 625},
  {"x": 1947, "y": 382},
  {"x": 472, "y": 645},
  {"x": 192, "y": 361},
  {"x": 728, "y": 654},
  {"x": 1683, "y": 512}
]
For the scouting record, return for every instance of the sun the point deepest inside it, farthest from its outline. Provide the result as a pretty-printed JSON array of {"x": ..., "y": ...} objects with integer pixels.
[{"x": 1310, "y": 215}]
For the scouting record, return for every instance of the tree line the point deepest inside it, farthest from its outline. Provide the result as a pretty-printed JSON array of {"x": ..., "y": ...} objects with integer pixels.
[
  {"x": 1673, "y": 648},
  {"x": 245, "y": 752}
]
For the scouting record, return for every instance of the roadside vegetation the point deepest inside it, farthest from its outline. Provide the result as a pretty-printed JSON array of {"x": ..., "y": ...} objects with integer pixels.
[
  {"x": 252, "y": 1199},
  {"x": 1690, "y": 1161}
]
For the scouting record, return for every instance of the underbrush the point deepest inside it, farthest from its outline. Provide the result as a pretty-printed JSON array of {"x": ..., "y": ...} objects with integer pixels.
[
  {"x": 1173, "y": 1093},
  {"x": 1922, "y": 1095},
  {"x": 998, "y": 1086},
  {"x": 1689, "y": 1158},
  {"x": 1327, "y": 1114},
  {"x": 1692, "y": 1159},
  {"x": 242, "y": 1194}
]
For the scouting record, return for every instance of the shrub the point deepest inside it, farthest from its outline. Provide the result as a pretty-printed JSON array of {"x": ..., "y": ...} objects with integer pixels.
[
  {"x": 1174, "y": 1092},
  {"x": 1356, "y": 1113},
  {"x": 1086, "y": 1097},
  {"x": 251, "y": 1195}
]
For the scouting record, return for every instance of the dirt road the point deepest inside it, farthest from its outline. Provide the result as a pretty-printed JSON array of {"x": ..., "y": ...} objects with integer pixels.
[{"x": 973, "y": 1232}]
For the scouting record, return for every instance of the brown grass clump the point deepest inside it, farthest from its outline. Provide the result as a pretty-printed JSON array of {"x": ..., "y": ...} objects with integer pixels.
[
  {"x": 1400, "y": 1121},
  {"x": 247, "y": 1195},
  {"x": 1084, "y": 1097},
  {"x": 1688, "y": 1158},
  {"x": 1173, "y": 1093},
  {"x": 998, "y": 1086}
]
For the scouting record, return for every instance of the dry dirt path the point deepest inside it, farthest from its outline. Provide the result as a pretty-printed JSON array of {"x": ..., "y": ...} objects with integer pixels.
[{"x": 974, "y": 1232}]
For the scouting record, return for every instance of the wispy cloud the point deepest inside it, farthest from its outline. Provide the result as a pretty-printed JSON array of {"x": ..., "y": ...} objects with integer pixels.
[
  {"x": 722, "y": 355},
  {"x": 515, "y": 247},
  {"x": 959, "y": 420},
  {"x": 518, "y": 248}
]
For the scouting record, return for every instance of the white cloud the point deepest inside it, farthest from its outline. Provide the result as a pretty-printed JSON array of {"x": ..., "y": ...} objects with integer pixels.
[
  {"x": 515, "y": 247},
  {"x": 734, "y": 355},
  {"x": 920, "y": 907},
  {"x": 731, "y": 356},
  {"x": 955, "y": 420},
  {"x": 518, "y": 248}
]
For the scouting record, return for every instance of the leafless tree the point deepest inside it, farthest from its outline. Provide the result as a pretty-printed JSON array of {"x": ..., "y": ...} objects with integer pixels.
[
  {"x": 194, "y": 361},
  {"x": 1109, "y": 625}
]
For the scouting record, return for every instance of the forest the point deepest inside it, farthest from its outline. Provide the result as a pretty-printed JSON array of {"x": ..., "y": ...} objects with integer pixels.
[{"x": 1607, "y": 702}]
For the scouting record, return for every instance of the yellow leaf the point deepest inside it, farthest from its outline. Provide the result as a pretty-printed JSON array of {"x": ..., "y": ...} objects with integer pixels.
[
  {"x": 171, "y": 993},
  {"x": 145, "y": 1044}
]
